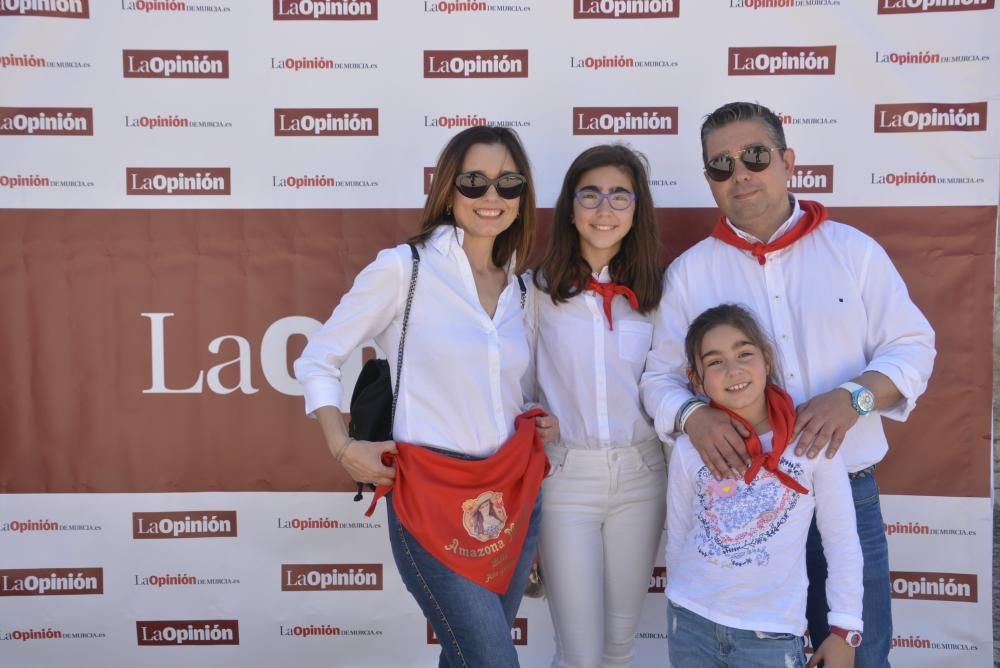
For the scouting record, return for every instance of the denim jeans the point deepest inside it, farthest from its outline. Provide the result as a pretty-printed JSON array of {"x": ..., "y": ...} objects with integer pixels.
[
  {"x": 472, "y": 623},
  {"x": 877, "y": 613},
  {"x": 696, "y": 642}
]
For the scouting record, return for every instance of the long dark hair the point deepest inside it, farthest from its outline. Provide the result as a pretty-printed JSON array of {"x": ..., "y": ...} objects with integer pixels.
[
  {"x": 517, "y": 238},
  {"x": 564, "y": 270},
  {"x": 736, "y": 316}
]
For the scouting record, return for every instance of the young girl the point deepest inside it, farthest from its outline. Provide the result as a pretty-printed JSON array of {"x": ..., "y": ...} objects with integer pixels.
[
  {"x": 736, "y": 572},
  {"x": 603, "y": 503}
]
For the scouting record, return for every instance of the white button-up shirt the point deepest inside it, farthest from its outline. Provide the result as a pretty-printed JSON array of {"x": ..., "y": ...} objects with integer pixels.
[
  {"x": 462, "y": 370},
  {"x": 833, "y": 304},
  {"x": 588, "y": 375}
]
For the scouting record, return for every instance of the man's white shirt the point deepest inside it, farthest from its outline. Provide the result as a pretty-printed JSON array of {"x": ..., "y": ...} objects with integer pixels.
[{"x": 834, "y": 306}]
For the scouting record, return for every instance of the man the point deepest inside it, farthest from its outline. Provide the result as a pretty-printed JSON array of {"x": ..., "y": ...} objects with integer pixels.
[{"x": 852, "y": 346}]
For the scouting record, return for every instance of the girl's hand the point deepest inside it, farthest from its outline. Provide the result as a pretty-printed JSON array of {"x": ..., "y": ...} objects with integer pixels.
[
  {"x": 547, "y": 427},
  {"x": 834, "y": 653},
  {"x": 363, "y": 461}
]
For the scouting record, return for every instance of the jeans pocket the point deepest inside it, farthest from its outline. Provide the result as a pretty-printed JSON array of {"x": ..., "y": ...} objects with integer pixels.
[
  {"x": 654, "y": 459},
  {"x": 764, "y": 635},
  {"x": 865, "y": 491},
  {"x": 557, "y": 459}
]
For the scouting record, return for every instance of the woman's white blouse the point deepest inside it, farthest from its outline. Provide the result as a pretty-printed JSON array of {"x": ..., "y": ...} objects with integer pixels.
[{"x": 461, "y": 386}]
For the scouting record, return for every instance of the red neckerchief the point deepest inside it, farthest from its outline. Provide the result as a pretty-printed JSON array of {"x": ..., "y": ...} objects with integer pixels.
[
  {"x": 813, "y": 213},
  {"x": 607, "y": 291},
  {"x": 471, "y": 515},
  {"x": 781, "y": 415}
]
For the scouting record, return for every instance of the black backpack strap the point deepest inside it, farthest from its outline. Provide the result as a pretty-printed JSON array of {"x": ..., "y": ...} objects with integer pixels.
[{"x": 524, "y": 290}]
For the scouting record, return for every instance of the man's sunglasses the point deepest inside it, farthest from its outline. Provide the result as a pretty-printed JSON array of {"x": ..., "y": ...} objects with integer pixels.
[
  {"x": 475, "y": 184},
  {"x": 755, "y": 158}
]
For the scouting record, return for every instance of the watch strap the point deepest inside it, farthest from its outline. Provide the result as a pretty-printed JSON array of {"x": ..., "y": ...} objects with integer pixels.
[
  {"x": 852, "y": 638},
  {"x": 855, "y": 390}
]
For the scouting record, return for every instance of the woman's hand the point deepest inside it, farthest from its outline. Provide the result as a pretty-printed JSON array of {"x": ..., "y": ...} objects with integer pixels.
[
  {"x": 363, "y": 461},
  {"x": 547, "y": 427}
]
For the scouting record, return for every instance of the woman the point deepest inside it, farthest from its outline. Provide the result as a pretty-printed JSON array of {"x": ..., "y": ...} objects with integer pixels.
[
  {"x": 466, "y": 354},
  {"x": 604, "y": 502}
]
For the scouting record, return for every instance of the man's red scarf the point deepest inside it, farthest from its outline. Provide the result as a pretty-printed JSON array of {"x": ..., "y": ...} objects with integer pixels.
[
  {"x": 781, "y": 415},
  {"x": 471, "y": 515},
  {"x": 813, "y": 213},
  {"x": 608, "y": 291}
]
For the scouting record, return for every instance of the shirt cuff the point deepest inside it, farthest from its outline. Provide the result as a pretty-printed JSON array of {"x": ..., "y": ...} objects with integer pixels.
[
  {"x": 905, "y": 379},
  {"x": 321, "y": 392},
  {"x": 845, "y": 621},
  {"x": 665, "y": 421}
]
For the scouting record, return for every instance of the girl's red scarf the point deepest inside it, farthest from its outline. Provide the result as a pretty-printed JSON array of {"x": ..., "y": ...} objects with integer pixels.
[
  {"x": 608, "y": 291},
  {"x": 781, "y": 415},
  {"x": 471, "y": 515},
  {"x": 813, "y": 213}
]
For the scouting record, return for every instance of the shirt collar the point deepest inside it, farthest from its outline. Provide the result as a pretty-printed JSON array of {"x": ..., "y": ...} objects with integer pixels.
[
  {"x": 447, "y": 238},
  {"x": 602, "y": 276},
  {"x": 444, "y": 236},
  {"x": 787, "y": 225}
]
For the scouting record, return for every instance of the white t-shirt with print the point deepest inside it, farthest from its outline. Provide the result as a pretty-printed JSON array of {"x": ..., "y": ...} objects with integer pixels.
[{"x": 736, "y": 552}]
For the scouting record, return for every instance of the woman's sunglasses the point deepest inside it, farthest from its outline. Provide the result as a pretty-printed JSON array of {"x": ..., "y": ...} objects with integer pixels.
[
  {"x": 475, "y": 184},
  {"x": 755, "y": 158}
]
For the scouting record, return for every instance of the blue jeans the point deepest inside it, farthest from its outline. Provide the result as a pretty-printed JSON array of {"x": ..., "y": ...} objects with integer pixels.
[
  {"x": 877, "y": 613},
  {"x": 696, "y": 642},
  {"x": 472, "y": 623}
]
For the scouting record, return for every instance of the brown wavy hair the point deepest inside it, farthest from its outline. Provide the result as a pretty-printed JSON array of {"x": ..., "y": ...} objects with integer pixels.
[
  {"x": 736, "y": 316},
  {"x": 636, "y": 264},
  {"x": 519, "y": 237}
]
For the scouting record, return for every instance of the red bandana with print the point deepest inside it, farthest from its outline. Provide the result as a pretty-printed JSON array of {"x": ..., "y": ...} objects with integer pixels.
[{"x": 471, "y": 515}]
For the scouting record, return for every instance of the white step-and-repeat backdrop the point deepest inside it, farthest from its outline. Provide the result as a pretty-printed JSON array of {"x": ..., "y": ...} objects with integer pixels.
[{"x": 187, "y": 188}]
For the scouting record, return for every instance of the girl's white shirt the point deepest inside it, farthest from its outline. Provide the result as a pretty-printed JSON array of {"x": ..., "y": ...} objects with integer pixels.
[
  {"x": 588, "y": 375},
  {"x": 736, "y": 553}
]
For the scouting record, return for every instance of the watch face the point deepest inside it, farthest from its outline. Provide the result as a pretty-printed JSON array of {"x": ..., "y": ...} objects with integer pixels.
[
  {"x": 853, "y": 639},
  {"x": 866, "y": 401}
]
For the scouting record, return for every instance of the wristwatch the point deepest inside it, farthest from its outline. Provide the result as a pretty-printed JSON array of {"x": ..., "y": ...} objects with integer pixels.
[
  {"x": 852, "y": 638},
  {"x": 862, "y": 398}
]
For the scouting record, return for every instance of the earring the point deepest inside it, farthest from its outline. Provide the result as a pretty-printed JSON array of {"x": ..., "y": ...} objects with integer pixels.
[{"x": 447, "y": 211}]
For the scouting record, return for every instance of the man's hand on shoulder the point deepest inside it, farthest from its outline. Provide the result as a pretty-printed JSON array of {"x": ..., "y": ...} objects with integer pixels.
[{"x": 823, "y": 421}]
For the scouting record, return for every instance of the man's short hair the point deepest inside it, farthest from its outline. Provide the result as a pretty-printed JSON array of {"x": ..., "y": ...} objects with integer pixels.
[{"x": 742, "y": 111}]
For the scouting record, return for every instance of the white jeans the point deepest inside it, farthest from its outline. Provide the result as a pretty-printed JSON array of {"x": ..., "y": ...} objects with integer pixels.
[{"x": 602, "y": 519}]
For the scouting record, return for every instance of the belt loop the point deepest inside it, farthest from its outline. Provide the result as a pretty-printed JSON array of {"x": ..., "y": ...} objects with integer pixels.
[{"x": 863, "y": 473}]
